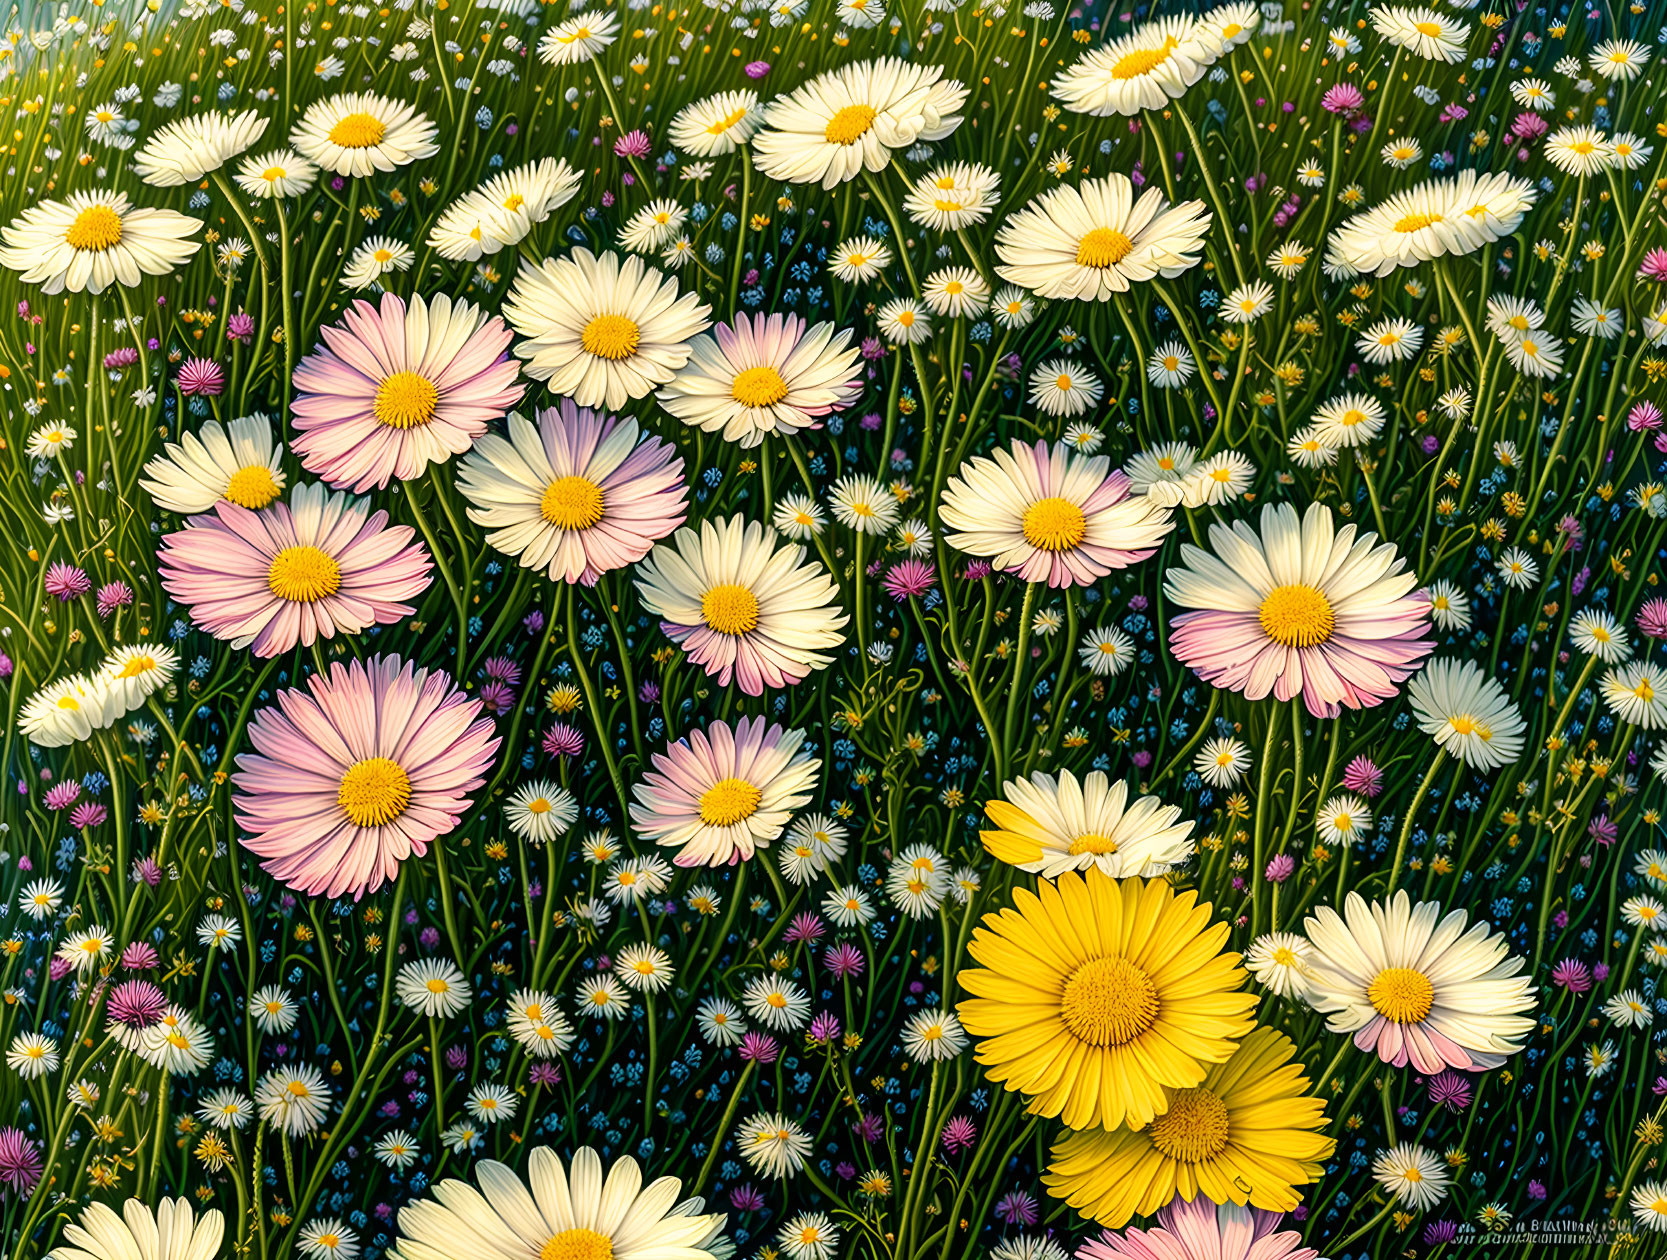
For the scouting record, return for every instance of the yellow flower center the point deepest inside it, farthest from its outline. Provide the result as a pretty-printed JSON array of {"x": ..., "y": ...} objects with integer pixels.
[
  {"x": 1431, "y": 29},
  {"x": 1297, "y": 616},
  {"x": 730, "y": 609},
  {"x": 849, "y": 125},
  {"x": 1144, "y": 61},
  {"x": 571, "y": 503},
  {"x": 1062, "y": 381},
  {"x": 1416, "y": 222},
  {"x": 252, "y": 487},
  {"x": 1092, "y": 842},
  {"x": 96, "y": 228},
  {"x": 1054, "y": 524},
  {"x": 1193, "y": 1130},
  {"x": 1644, "y": 691},
  {"x": 1401, "y": 994},
  {"x": 948, "y": 207},
  {"x": 514, "y": 202},
  {"x": 1284, "y": 957},
  {"x": 540, "y": 806},
  {"x": 273, "y": 174},
  {"x": 1352, "y": 417},
  {"x": 758, "y": 387},
  {"x": 406, "y": 400},
  {"x": 578, "y": 1244},
  {"x": 723, "y": 124},
  {"x": 1108, "y": 1002},
  {"x": 438, "y": 985},
  {"x": 358, "y": 131},
  {"x": 729, "y": 801},
  {"x": 1103, "y": 247},
  {"x": 612, "y": 337},
  {"x": 374, "y": 792},
  {"x": 137, "y": 666},
  {"x": 303, "y": 575}
]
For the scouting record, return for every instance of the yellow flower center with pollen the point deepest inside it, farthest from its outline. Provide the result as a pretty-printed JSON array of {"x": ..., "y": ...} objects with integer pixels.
[
  {"x": 1103, "y": 247},
  {"x": 1352, "y": 417},
  {"x": 406, "y": 400},
  {"x": 97, "y": 228},
  {"x": 612, "y": 337},
  {"x": 1092, "y": 842},
  {"x": 758, "y": 387},
  {"x": 849, "y": 125},
  {"x": 303, "y": 575},
  {"x": 1054, "y": 524},
  {"x": 1143, "y": 61},
  {"x": 726, "y": 122},
  {"x": 137, "y": 666},
  {"x": 374, "y": 792},
  {"x": 578, "y": 1244},
  {"x": 1416, "y": 222},
  {"x": 1193, "y": 1130},
  {"x": 1297, "y": 616},
  {"x": 252, "y": 487},
  {"x": 1108, "y": 1002},
  {"x": 540, "y": 806},
  {"x": 438, "y": 985},
  {"x": 572, "y": 503},
  {"x": 1431, "y": 29},
  {"x": 729, "y": 801},
  {"x": 514, "y": 202},
  {"x": 730, "y": 609},
  {"x": 1644, "y": 691},
  {"x": 358, "y": 131},
  {"x": 1401, "y": 994}
]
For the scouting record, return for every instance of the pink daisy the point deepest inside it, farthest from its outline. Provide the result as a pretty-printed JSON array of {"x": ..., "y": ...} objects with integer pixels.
[
  {"x": 1299, "y": 608},
  {"x": 317, "y": 566},
  {"x": 394, "y": 390},
  {"x": 1201, "y": 1230},
  {"x": 577, "y": 495},
  {"x": 720, "y": 794},
  {"x": 1049, "y": 515},
  {"x": 369, "y": 769}
]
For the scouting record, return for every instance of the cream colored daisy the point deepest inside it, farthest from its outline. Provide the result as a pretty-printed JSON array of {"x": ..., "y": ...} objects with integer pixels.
[
  {"x": 94, "y": 240},
  {"x": 239, "y": 462},
  {"x": 184, "y": 151},
  {"x": 1145, "y": 69},
  {"x": 1047, "y": 825},
  {"x": 357, "y": 133},
  {"x": 714, "y": 126}
]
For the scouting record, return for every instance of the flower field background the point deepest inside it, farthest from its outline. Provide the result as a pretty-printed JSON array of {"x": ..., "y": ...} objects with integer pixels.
[{"x": 821, "y": 630}]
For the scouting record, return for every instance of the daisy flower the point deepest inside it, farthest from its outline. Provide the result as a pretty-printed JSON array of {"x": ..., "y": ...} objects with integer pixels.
[
  {"x": 1598, "y": 634},
  {"x": 1411, "y": 1175},
  {"x": 1345, "y": 819},
  {"x": 335, "y": 801},
  {"x": 716, "y": 125},
  {"x": 395, "y": 388},
  {"x": 773, "y": 1145},
  {"x": 320, "y": 565},
  {"x": 1047, "y": 826},
  {"x": 377, "y": 257},
  {"x": 1247, "y": 303},
  {"x": 1449, "y": 606},
  {"x": 433, "y": 987},
  {"x": 1060, "y": 387},
  {"x": 601, "y": 330},
  {"x": 1146, "y": 69},
  {"x": 276, "y": 174},
  {"x": 1106, "y": 652},
  {"x": 503, "y": 210},
  {"x": 1422, "y": 32},
  {"x": 540, "y": 811},
  {"x": 1049, "y": 515},
  {"x": 1413, "y": 986},
  {"x": 850, "y": 119},
  {"x": 951, "y": 197},
  {"x": 1281, "y": 963},
  {"x": 1222, "y": 762},
  {"x": 184, "y": 151},
  {"x": 955, "y": 292},
  {"x": 294, "y": 1101},
  {"x": 932, "y": 1036},
  {"x": 858, "y": 259},
  {"x": 719, "y": 794},
  {"x": 238, "y": 462},
  {"x": 1096, "y": 239},
  {"x": 903, "y": 322},
  {"x": 742, "y": 605},
  {"x": 94, "y": 240},
  {"x": 574, "y": 492},
  {"x": 167, "y": 1232},
  {"x": 578, "y": 38},
  {"x": 1299, "y": 607},
  {"x": 356, "y": 133},
  {"x": 537, "y": 1024},
  {"x": 860, "y": 503},
  {"x": 1349, "y": 419},
  {"x": 1637, "y": 694},
  {"x": 764, "y": 374},
  {"x": 1467, "y": 713}
]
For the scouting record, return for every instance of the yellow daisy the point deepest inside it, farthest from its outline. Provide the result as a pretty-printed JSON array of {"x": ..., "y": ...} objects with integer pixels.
[{"x": 1097, "y": 996}]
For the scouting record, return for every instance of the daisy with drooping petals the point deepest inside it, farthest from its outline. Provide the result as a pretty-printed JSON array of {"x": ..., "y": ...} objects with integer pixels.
[
  {"x": 1246, "y": 1134},
  {"x": 1299, "y": 607},
  {"x": 1414, "y": 987},
  {"x": 601, "y": 330},
  {"x": 582, "y": 1212},
  {"x": 1423, "y": 32},
  {"x": 743, "y": 606},
  {"x": 713, "y": 127},
  {"x": 1467, "y": 713},
  {"x": 1096, "y": 996},
  {"x": 577, "y": 495},
  {"x": 849, "y": 119},
  {"x": 720, "y": 794},
  {"x": 949, "y": 198},
  {"x": 356, "y": 133},
  {"x": 1146, "y": 69},
  {"x": 1428, "y": 220},
  {"x": 765, "y": 374},
  {"x": 1202, "y": 1230},
  {"x": 579, "y": 37},
  {"x": 170, "y": 1232},
  {"x": 94, "y": 240},
  {"x": 1096, "y": 239},
  {"x": 1048, "y": 826},
  {"x": 132, "y": 673},
  {"x": 396, "y": 388},
  {"x": 184, "y": 151},
  {"x": 239, "y": 463},
  {"x": 320, "y": 565},
  {"x": 68, "y": 711},
  {"x": 1050, "y": 515},
  {"x": 367, "y": 767},
  {"x": 1637, "y": 694},
  {"x": 503, "y": 210}
]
